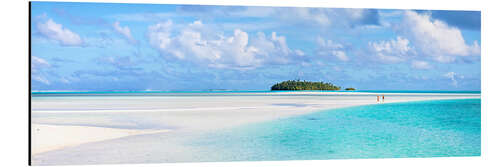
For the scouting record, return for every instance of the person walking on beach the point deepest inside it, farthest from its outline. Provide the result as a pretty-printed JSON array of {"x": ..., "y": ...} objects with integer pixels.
[
  {"x": 383, "y": 98},
  {"x": 378, "y": 98}
]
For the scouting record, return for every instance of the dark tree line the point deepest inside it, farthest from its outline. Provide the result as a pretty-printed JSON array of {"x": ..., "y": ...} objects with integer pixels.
[{"x": 304, "y": 85}]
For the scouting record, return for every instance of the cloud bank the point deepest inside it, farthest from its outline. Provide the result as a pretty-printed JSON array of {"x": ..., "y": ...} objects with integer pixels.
[
  {"x": 435, "y": 38},
  {"x": 195, "y": 43}
]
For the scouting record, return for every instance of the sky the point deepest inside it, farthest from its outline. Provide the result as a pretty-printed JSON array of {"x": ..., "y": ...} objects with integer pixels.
[{"x": 162, "y": 47}]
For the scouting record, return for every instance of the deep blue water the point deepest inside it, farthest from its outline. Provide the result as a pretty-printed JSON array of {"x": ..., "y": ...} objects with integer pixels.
[{"x": 439, "y": 128}]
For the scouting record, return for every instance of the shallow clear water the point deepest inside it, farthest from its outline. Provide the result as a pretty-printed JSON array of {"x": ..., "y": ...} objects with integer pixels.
[
  {"x": 438, "y": 128},
  {"x": 212, "y": 93}
]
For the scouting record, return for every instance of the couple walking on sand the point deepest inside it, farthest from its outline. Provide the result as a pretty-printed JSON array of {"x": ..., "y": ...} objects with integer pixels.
[{"x": 378, "y": 98}]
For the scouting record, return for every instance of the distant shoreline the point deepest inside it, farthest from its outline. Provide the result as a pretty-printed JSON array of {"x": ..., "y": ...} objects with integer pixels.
[{"x": 252, "y": 91}]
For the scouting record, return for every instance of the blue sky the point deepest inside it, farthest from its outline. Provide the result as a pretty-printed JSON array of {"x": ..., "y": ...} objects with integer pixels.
[{"x": 159, "y": 47}]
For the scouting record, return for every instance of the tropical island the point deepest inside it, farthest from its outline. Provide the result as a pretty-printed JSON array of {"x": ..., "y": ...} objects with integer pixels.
[{"x": 304, "y": 85}]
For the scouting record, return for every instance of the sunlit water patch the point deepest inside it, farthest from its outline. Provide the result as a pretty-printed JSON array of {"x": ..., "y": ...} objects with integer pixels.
[{"x": 439, "y": 128}]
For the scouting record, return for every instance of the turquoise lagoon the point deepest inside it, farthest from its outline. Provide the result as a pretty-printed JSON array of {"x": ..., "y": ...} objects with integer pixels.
[{"x": 438, "y": 128}]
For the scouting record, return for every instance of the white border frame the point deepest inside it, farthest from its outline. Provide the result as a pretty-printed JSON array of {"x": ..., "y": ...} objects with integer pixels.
[{"x": 14, "y": 73}]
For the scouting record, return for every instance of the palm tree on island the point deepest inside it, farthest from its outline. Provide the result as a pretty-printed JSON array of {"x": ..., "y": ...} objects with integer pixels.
[{"x": 305, "y": 85}]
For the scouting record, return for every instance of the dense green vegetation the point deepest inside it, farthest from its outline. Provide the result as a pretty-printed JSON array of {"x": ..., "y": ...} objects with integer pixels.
[
  {"x": 304, "y": 85},
  {"x": 350, "y": 89}
]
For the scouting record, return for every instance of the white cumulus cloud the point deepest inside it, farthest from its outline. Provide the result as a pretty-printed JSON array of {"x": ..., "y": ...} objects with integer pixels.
[
  {"x": 453, "y": 78},
  {"x": 57, "y": 32},
  {"x": 435, "y": 38},
  {"x": 392, "y": 51},
  {"x": 197, "y": 43},
  {"x": 329, "y": 48},
  {"x": 124, "y": 31}
]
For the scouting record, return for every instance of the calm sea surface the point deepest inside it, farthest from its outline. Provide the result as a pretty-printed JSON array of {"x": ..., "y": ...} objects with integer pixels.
[
  {"x": 439, "y": 128},
  {"x": 39, "y": 95}
]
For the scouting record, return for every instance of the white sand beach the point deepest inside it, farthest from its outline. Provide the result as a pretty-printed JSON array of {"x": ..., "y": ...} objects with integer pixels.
[
  {"x": 132, "y": 129},
  {"x": 53, "y": 137}
]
